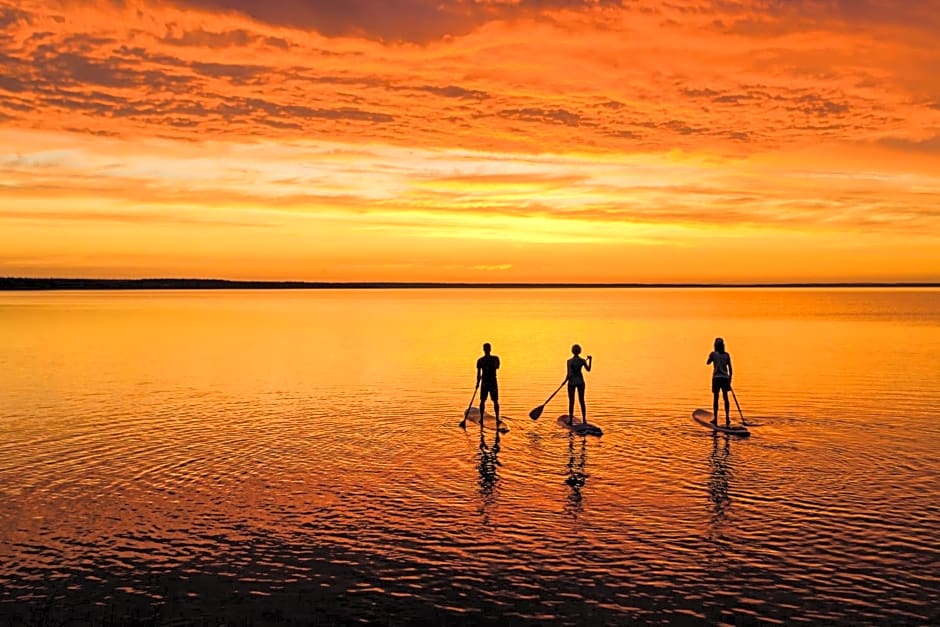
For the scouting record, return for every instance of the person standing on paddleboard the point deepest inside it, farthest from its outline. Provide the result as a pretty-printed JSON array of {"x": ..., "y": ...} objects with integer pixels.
[
  {"x": 721, "y": 379},
  {"x": 486, "y": 379},
  {"x": 575, "y": 379}
]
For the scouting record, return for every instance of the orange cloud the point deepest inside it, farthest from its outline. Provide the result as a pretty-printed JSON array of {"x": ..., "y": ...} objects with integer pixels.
[{"x": 368, "y": 132}]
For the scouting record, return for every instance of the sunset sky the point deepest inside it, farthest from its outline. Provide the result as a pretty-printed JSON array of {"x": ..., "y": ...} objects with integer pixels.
[{"x": 471, "y": 140}]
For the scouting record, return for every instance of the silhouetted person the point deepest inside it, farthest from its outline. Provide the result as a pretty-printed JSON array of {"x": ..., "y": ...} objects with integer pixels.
[
  {"x": 575, "y": 379},
  {"x": 721, "y": 379},
  {"x": 486, "y": 379}
]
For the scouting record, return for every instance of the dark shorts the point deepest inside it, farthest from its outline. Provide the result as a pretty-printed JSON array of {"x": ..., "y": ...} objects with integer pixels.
[
  {"x": 575, "y": 385},
  {"x": 489, "y": 390},
  {"x": 720, "y": 383}
]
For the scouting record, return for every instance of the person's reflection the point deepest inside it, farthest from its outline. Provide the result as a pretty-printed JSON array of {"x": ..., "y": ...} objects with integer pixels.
[
  {"x": 718, "y": 479},
  {"x": 576, "y": 475},
  {"x": 489, "y": 461}
]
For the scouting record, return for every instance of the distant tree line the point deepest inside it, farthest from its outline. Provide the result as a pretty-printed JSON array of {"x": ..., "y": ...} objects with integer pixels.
[{"x": 26, "y": 283}]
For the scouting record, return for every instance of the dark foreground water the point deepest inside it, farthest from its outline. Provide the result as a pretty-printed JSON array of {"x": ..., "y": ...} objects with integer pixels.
[{"x": 294, "y": 457}]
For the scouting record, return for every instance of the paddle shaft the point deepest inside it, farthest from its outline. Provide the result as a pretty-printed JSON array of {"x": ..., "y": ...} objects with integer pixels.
[
  {"x": 556, "y": 392},
  {"x": 472, "y": 398},
  {"x": 735, "y": 397},
  {"x": 537, "y": 412}
]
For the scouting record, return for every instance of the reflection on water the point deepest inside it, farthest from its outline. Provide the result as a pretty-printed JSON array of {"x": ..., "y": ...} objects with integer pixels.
[
  {"x": 576, "y": 474},
  {"x": 177, "y": 458},
  {"x": 718, "y": 480},
  {"x": 488, "y": 469}
]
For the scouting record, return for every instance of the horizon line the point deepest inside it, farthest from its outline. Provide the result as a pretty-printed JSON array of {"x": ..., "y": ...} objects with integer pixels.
[{"x": 162, "y": 283}]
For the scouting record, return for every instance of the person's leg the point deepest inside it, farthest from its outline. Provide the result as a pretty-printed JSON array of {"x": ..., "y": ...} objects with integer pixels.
[
  {"x": 570, "y": 404},
  {"x": 495, "y": 394},
  {"x": 484, "y": 392},
  {"x": 727, "y": 408},
  {"x": 581, "y": 399},
  {"x": 714, "y": 402}
]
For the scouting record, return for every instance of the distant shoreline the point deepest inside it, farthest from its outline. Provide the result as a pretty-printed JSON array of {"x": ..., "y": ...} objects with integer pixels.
[{"x": 52, "y": 284}]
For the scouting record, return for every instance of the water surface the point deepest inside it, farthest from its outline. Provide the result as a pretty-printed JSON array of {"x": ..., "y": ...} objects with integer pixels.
[{"x": 262, "y": 457}]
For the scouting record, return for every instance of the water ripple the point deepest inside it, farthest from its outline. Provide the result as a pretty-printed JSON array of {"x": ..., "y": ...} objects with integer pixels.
[{"x": 168, "y": 495}]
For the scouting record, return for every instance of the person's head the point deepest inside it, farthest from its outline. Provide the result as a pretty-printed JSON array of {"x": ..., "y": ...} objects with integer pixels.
[
  {"x": 487, "y": 348},
  {"x": 719, "y": 345},
  {"x": 576, "y": 349}
]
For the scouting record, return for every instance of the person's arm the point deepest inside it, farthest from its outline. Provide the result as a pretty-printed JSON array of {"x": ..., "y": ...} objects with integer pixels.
[
  {"x": 711, "y": 358},
  {"x": 479, "y": 372},
  {"x": 587, "y": 364},
  {"x": 497, "y": 362},
  {"x": 730, "y": 371}
]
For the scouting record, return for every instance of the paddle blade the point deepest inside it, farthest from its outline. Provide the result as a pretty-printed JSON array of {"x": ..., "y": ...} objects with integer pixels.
[{"x": 535, "y": 413}]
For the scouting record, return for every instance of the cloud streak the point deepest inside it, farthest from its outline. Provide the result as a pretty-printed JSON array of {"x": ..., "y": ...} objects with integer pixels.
[{"x": 172, "y": 74}]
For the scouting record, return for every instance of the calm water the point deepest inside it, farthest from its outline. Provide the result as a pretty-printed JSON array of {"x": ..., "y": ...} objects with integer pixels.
[{"x": 294, "y": 457}]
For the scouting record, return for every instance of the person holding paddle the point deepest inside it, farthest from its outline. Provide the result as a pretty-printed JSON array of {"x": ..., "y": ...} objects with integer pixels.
[
  {"x": 487, "y": 365},
  {"x": 575, "y": 379},
  {"x": 721, "y": 379}
]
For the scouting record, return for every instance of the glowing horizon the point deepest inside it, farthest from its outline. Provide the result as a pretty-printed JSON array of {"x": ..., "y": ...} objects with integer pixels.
[{"x": 475, "y": 140}]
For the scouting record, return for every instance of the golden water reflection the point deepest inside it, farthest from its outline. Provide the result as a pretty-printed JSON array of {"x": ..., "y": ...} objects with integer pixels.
[
  {"x": 577, "y": 476},
  {"x": 238, "y": 456}
]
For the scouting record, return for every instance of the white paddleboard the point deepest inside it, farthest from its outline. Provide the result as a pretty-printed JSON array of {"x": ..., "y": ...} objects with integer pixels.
[
  {"x": 489, "y": 421},
  {"x": 704, "y": 418},
  {"x": 578, "y": 427}
]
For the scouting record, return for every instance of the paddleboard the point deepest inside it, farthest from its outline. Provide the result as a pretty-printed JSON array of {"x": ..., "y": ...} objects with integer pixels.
[
  {"x": 579, "y": 428},
  {"x": 704, "y": 418},
  {"x": 489, "y": 421}
]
